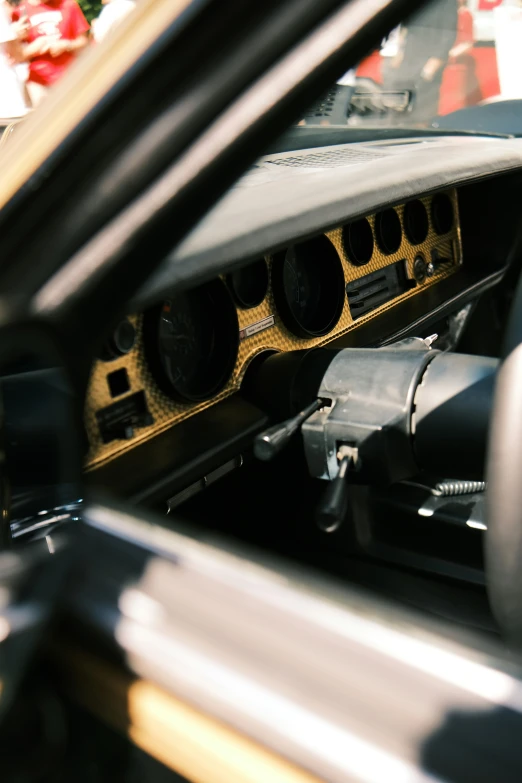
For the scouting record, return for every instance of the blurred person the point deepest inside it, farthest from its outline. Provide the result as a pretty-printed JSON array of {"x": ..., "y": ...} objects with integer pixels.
[
  {"x": 423, "y": 49},
  {"x": 57, "y": 31},
  {"x": 12, "y": 103},
  {"x": 461, "y": 56},
  {"x": 113, "y": 12},
  {"x": 465, "y": 38},
  {"x": 20, "y": 25}
]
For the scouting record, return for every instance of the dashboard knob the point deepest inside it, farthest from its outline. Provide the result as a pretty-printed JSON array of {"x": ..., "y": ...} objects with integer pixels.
[{"x": 420, "y": 269}]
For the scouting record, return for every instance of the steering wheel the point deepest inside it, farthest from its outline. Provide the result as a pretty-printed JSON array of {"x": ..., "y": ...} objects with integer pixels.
[{"x": 503, "y": 549}]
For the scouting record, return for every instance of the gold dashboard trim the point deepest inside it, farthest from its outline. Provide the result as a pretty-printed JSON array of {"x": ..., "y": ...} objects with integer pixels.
[{"x": 167, "y": 412}]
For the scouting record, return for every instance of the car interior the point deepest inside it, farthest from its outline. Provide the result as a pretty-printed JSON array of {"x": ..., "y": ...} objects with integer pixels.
[
  {"x": 271, "y": 446},
  {"x": 186, "y": 384}
]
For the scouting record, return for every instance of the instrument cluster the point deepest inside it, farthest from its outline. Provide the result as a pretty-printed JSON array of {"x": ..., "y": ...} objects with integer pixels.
[{"x": 193, "y": 348}]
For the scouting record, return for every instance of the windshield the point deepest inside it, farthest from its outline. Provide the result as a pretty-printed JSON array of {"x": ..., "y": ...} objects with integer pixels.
[{"x": 454, "y": 65}]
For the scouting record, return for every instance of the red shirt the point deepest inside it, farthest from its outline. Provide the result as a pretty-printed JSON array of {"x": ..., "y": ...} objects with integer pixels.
[{"x": 60, "y": 19}]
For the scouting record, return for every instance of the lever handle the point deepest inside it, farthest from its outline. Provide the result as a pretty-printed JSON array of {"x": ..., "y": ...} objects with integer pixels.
[
  {"x": 270, "y": 442},
  {"x": 332, "y": 509}
]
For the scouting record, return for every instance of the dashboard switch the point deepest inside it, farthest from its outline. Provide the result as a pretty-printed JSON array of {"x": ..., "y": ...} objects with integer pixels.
[
  {"x": 438, "y": 261},
  {"x": 120, "y": 420}
]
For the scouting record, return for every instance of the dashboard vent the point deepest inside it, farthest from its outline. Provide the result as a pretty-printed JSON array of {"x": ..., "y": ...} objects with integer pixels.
[{"x": 329, "y": 158}]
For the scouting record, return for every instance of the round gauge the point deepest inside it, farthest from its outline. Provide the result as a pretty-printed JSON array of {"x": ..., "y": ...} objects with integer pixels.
[
  {"x": 121, "y": 341},
  {"x": 416, "y": 222},
  {"x": 358, "y": 241},
  {"x": 249, "y": 284},
  {"x": 442, "y": 213},
  {"x": 308, "y": 284},
  {"x": 388, "y": 231},
  {"x": 192, "y": 342}
]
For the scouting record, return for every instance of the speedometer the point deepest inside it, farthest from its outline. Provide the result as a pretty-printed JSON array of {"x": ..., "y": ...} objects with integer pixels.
[
  {"x": 308, "y": 285},
  {"x": 192, "y": 342}
]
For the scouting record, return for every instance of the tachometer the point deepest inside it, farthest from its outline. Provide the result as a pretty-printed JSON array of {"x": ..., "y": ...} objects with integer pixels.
[
  {"x": 192, "y": 342},
  {"x": 308, "y": 285}
]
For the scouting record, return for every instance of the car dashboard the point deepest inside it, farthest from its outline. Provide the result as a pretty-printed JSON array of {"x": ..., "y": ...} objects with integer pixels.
[
  {"x": 353, "y": 246},
  {"x": 193, "y": 349}
]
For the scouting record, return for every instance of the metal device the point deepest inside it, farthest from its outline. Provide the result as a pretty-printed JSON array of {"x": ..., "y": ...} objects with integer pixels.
[{"x": 392, "y": 412}]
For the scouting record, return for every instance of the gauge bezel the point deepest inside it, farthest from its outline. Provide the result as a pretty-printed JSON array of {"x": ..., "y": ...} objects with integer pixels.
[
  {"x": 224, "y": 313},
  {"x": 328, "y": 265}
]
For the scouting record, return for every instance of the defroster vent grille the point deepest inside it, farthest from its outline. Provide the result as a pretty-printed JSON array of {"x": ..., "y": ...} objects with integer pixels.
[{"x": 328, "y": 158}]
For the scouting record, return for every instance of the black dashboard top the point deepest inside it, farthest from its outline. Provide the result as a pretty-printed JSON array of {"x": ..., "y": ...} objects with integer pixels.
[{"x": 296, "y": 194}]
